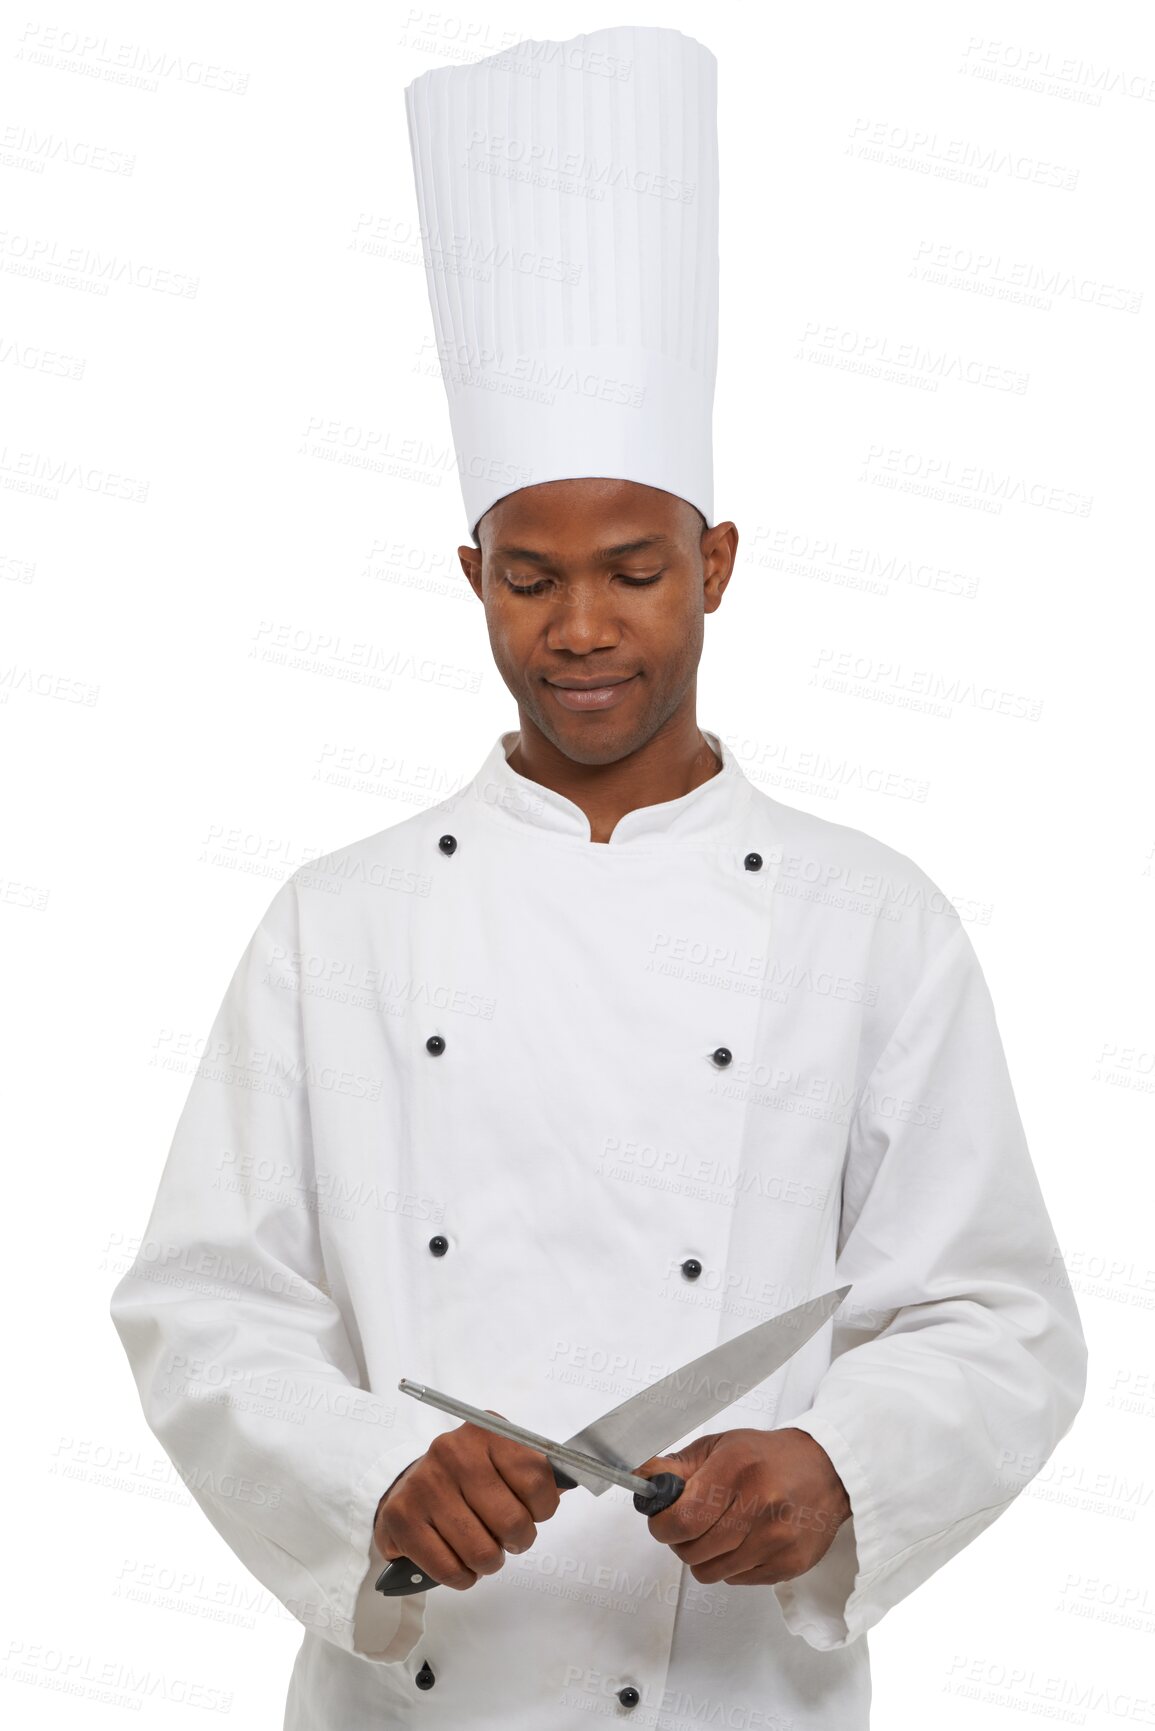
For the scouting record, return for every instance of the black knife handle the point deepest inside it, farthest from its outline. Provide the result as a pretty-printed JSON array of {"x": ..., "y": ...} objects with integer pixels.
[
  {"x": 402, "y": 1576},
  {"x": 668, "y": 1487}
]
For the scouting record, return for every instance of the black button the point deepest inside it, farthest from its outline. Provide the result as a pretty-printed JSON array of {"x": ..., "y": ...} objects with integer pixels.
[
  {"x": 629, "y": 1696},
  {"x": 436, "y": 1045},
  {"x": 691, "y": 1268},
  {"x": 448, "y": 843},
  {"x": 439, "y": 1244},
  {"x": 721, "y": 1056},
  {"x": 753, "y": 862},
  {"x": 425, "y": 1678}
]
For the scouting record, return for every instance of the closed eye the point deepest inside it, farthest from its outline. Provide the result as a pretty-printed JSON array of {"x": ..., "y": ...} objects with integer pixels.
[{"x": 633, "y": 582}]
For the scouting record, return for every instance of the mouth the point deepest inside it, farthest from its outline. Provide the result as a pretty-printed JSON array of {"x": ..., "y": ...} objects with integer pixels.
[{"x": 599, "y": 694}]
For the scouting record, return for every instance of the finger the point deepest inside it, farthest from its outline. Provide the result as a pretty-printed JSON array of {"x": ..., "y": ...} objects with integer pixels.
[
  {"x": 702, "y": 1505},
  {"x": 684, "y": 1465},
  {"x": 425, "y": 1546},
  {"x": 499, "y": 1508},
  {"x": 669, "y": 1463},
  {"x": 765, "y": 1574},
  {"x": 472, "y": 1548},
  {"x": 658, "y": 1464},
  {"x": 748, "y": 1557},
  {"x": 529, "y": 1478},
  {"x": 685, "y": 1462},
  {"x": 527, "y": 1473},
  {"x": 713, "y": 1533},
  {"x": 440, "y": 1531}
]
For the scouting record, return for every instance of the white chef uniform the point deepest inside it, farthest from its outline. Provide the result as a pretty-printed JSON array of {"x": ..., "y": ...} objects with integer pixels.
[{"x": 536, "y": 1119}]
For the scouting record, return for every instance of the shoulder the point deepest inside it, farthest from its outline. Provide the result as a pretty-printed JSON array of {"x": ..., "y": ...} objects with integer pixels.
[
  {"x": 400, "y": 857},
  {"x": 871, "y": 898},
  {"x": 813, "y": 850},
  {"x": 380, "y": 858}
]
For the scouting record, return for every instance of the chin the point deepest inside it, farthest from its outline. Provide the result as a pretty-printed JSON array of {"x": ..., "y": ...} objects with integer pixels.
[{"x": 600, "y": 739}]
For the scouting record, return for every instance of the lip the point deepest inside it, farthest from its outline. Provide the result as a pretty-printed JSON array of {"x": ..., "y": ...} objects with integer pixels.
[{"x": 592, "y": 694}]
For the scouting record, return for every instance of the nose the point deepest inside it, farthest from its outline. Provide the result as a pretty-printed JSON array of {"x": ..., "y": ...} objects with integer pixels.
[{"x": 583, "y": 619}]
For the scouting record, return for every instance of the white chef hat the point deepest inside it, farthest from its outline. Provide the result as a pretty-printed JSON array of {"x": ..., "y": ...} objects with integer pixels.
[{"x": 568, "y": 199}]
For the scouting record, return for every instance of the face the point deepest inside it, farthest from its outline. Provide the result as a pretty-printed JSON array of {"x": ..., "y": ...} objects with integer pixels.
[{"x": 595, "y": 592}]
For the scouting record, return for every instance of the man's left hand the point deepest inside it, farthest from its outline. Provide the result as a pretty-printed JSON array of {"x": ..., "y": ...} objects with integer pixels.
[{"x": 759, "y": 1506}]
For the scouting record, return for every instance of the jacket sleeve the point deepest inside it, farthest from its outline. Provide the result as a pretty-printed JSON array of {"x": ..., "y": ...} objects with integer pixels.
[
  {"x": 242, "y": 1360},
  {"x": 958, "y": 1360}
]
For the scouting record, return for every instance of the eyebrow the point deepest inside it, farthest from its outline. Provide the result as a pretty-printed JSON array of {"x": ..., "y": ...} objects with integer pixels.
[{"x": 603, "y": 556}]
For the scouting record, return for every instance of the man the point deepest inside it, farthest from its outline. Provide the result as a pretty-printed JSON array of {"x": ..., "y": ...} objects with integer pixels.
[{"x": 544, "y": 1091}]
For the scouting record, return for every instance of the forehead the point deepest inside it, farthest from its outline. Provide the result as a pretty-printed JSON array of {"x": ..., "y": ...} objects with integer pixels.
[{"x": 586, "y": 519}]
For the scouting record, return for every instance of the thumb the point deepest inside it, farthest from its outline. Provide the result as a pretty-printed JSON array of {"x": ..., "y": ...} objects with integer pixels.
[{"x": 684, "y": 1461}]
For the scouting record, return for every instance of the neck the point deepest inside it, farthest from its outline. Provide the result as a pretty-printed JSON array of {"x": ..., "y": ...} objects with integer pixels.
[{"x": 672, "y": 762}]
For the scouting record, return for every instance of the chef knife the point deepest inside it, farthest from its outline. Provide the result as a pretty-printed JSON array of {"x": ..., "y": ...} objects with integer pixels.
[{"x": 645, "y": 1424}]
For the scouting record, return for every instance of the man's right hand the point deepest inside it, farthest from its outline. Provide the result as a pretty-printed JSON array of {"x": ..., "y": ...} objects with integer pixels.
[{"x": 457, "y": 1509}]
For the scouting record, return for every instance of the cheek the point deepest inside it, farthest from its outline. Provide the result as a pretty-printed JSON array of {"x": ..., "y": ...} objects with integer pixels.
[
  {"x": 683, "y": 640},
  {"x": 503, "y": 634}
]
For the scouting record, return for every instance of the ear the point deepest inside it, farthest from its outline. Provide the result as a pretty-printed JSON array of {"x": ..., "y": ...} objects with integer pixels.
[{"x": 470, "y": 558}]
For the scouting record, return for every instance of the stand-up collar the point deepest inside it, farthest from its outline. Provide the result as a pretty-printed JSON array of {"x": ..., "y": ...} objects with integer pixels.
[{"x": 513, "y": 798}]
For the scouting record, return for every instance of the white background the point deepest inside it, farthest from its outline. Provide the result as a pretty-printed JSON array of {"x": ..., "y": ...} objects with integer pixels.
[{"x": 221, "y": 429}]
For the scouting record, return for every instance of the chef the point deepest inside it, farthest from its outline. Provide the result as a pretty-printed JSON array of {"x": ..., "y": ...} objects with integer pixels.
[{"x": 538, "y": 1094}]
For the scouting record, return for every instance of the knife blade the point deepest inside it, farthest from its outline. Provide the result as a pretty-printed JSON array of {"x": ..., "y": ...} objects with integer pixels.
[{"x": 649, "y": 1422}]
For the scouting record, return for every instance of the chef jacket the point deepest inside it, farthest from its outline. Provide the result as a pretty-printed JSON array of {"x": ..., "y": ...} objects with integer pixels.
[{"x": 536, "y": 1120}]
